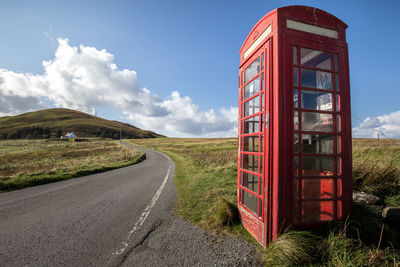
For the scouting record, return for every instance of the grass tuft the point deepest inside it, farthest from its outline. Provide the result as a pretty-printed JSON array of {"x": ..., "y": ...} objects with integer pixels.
[
  {"x": 227, "y": 213},
  {"x": 346, "y": 251},
  {"x": 372, "y": 176},
  {"x": 393, "y": 201},
  {"x": 294, "y": 248}
]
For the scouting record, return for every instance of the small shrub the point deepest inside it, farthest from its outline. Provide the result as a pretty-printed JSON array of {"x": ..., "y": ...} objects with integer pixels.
[{"x": 227, "y": 213}]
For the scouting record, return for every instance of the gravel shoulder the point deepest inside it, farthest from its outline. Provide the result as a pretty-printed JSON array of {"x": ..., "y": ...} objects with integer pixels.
[{"x": 175, "y": 242}]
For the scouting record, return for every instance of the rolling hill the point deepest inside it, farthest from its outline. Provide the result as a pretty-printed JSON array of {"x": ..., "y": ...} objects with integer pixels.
[{"x": 58, "y": 121}]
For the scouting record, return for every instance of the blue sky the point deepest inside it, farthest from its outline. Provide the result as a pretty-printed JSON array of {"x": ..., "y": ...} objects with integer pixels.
[{"x": 185, "y": 55}]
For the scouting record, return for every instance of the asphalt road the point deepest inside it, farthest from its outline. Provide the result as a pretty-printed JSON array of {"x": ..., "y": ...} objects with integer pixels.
[{"x": 96, "y": 220}]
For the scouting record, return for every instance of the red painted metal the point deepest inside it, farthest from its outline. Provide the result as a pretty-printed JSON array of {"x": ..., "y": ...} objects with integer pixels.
[{"x": 272, "y": 193}]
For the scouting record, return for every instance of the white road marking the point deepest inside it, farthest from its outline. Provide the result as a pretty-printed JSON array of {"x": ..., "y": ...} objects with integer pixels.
[{"x": 143, "y": 216}]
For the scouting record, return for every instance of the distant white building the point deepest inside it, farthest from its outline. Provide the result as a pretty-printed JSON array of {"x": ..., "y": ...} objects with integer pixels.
[{"x": 68, "y": 135}]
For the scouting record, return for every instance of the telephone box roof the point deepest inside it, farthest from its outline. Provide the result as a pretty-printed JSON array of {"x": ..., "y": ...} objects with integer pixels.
[{"x": 305, "y": 14}]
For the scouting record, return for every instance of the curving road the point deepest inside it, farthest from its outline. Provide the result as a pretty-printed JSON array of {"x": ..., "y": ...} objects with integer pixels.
[{"x": 96, "y": 220}]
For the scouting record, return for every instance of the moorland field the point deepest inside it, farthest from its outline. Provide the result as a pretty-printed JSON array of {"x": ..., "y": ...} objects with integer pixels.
[{"x": 25, "y": 163}]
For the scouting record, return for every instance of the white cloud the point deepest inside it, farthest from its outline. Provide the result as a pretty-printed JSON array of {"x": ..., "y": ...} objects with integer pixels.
[
  {"x": 83, "y": 78},
  {"x": 388, "y": 126}
]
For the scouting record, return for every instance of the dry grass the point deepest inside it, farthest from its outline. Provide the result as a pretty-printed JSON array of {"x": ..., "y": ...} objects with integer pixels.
[
  {"x": 30, "y": 163},
  {"x": 43, "y": 156},
  {"x": 372, "y": 176},
  {"x": 345, "y": 251},
  {"x": 295, "y": 248},
  {"x": 376, "y": 167}
]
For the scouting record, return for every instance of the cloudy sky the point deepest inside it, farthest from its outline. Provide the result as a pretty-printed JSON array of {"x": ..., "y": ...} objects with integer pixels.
[{"x": 172, "y": 66}]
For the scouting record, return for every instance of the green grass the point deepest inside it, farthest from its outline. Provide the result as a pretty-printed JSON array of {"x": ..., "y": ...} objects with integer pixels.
[
  {"x": 29, "y": 163},
  {"x": 206, "y": 177}
]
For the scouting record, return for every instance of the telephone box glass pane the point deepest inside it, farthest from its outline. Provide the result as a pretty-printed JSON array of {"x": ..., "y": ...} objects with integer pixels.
[
  {"x": 316, "y": 79},
  {"x": 338, "y": 123},
  {"x": 338, "y": 145},
  {"x": 317, "y": 188},
  {"x": 250, "y": 162},
  {"x": 295, "y": 98},
  {"x": 339, "y": 187},
  {"x": 296, "y": 143},
  {"x": 320, "y": 122},
  {"x": 262, "y": 123},
  {"x": 296, "y": 166},
  {"x": 252, "y": 88},
  {"x": 262, "y": 61},
  {"x": 262, "y": 82},
  {"x": 337, "y": 82},
  {"x": 317, "y": 166},
  {"x": 327, "y": 210},
  {"x": 317, "y": 144},
  {"x": 252, "y": 106},
  {"x": 315, "y": 58},
  {"x": 252, "y": 70},
  {"x": 337, "y": 102},
  {"x": 250, "y": 201},
  {"x": 336, "y": 62},
  {"x": 295, "y": 55},
  {"x": 311, "y": 211},
  {"x": 339, "y": 166},
  {"x": 296, "y": 120},
  {"x": 262, "y": 102},
  {"x": 295, "y": 76},
  {"x": 317, "y": 211},
  {"x": 250, "y": 181},
  {"x": 316, "y": 100},
  {"x": 251, "y": 125},
  {"x": 251, "y": 144}
]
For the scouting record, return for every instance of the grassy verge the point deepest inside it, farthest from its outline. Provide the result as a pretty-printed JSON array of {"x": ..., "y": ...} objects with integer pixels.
[
  {"x": 205, "y": 179},
  {"x": 203, "y": 175},
  {"x": 31, "y": 163},
  {"x": 376, "y": 168}
]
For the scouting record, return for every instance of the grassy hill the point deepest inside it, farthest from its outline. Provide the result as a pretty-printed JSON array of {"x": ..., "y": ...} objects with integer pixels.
[{"x": 58, "y": 121}]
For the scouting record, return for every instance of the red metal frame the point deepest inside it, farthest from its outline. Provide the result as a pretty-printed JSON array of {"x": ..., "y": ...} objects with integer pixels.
[{"x": 276, "y": 138}]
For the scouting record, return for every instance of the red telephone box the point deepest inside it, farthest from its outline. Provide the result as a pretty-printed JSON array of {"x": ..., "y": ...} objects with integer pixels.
[{"x": 294, "y": 156}]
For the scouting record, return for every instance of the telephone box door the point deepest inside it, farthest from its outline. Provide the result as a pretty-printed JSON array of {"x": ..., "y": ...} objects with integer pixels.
[
  {"x": 253, "y": 141},
  {"x": 318, "y": 134}
]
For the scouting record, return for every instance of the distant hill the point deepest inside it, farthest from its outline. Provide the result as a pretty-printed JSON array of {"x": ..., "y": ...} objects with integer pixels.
[{"x": 59, "y": 121}]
